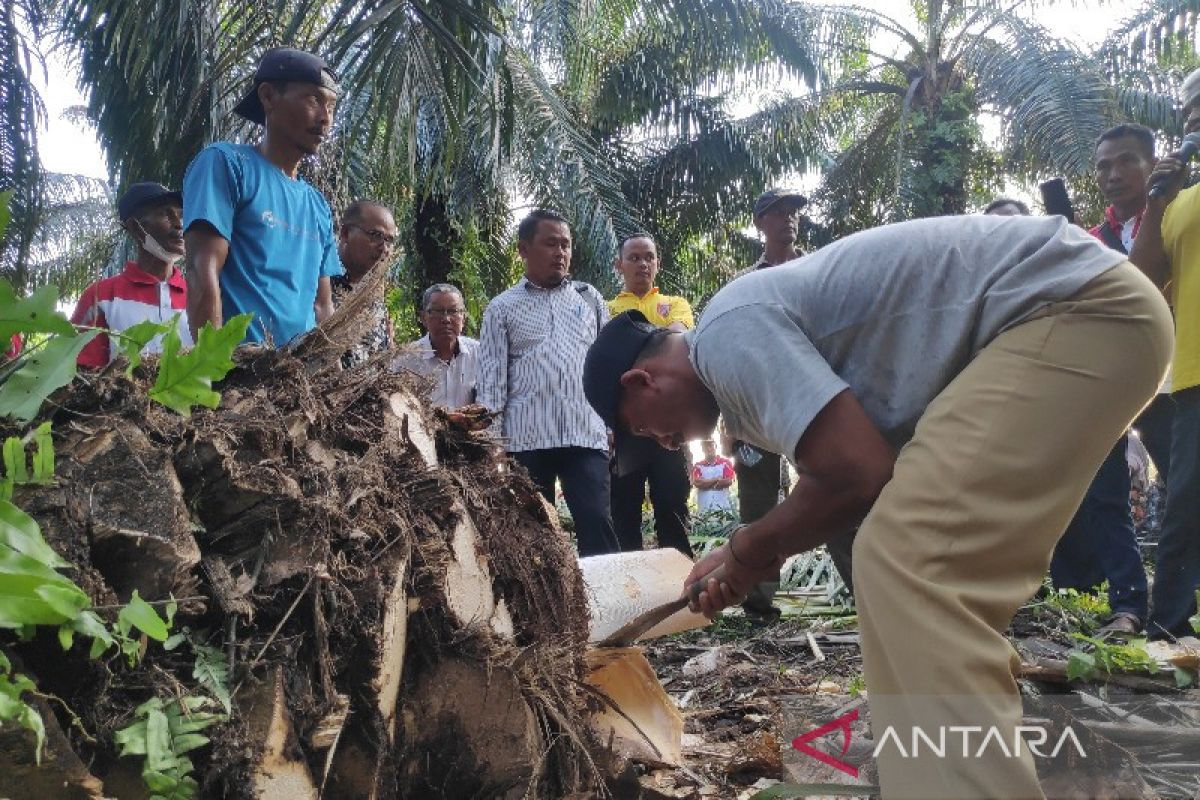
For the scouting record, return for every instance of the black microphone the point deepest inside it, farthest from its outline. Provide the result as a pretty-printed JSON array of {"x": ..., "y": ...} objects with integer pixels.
[
  {"x": 1187, "y": 151},
  {"x": 1056, "y": 200}
]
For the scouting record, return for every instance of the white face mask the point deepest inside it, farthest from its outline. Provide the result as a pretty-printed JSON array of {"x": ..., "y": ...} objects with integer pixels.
[{"x": 151, "y": 246}]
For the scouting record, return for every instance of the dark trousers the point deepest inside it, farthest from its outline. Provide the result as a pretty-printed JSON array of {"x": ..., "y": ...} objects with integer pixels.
[
  {"x": 667, "y": 473},
  {"x": 1154, "y": 427},
  {"x": 1100, "y": 543},
  {"x": 758, "y": 487},
  {"x": 758, "y": 493},
  {"x": 583, "y": 473},
  {"x": 1177, "y": 570}
]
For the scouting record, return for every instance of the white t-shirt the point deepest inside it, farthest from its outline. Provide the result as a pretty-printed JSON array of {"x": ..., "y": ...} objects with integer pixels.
[{"x": 710, "y": 499}]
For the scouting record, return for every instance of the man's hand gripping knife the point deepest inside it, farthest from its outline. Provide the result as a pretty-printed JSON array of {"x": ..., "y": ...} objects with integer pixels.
[{"x": 728, "y": 573}]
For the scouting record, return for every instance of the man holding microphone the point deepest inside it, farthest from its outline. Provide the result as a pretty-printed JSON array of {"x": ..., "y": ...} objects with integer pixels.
[{"x": 1167, "y": 249}]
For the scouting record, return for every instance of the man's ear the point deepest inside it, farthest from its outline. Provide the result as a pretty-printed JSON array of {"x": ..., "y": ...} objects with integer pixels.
[
  {"x": 522, "y": 248},
  {"x": 135, "y": 230},
  {"x": 636, "y": 378},
  {"x": 267, "y": 96}
]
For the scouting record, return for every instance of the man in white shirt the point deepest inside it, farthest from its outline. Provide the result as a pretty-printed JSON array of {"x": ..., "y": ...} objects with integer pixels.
[{"x": 443, "y": 353}]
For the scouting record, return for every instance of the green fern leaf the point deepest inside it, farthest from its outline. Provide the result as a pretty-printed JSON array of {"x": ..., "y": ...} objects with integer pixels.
[{"x": 185, "y": 380}]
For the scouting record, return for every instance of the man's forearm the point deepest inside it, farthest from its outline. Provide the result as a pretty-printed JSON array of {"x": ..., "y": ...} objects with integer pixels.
[
  {"x": 207, "y": 251},
  {"x": 323, "y": 306},
  {"x": 1149, "y": 252},
  {"x": 204, "y": 303}
]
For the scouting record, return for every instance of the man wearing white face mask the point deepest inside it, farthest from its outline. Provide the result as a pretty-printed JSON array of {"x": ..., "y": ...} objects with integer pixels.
[{"x": 151, "y": 287}]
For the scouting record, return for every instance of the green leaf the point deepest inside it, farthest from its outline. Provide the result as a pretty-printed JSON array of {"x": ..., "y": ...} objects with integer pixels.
[
  {"x": 88, "y": 624},
  {"x": 20, "y": 532},
  {"x": 1184, "y": 678},
  {"x": 134, "y": 338},
  {"x": 185, "y": 380},
  {"x": 43, "y": 457},
  {"x": 212, "y": 672},
  {"x": 141, "y": 615},
  {"x": 158, "y": 741},
  {"x": 132, "y": 738},
  {"x": 65, "y": 636},
  {"x": 1195, "y": 620},
  {"x": 44, "y": 371},
  {"x": 14, "y": 460},
  {"x": 13, "y": 708},
  {"x": 33, "y": 314},
  {"x": 1080, "y": 666},
  {"x": 66, "y": 600},
  {"x": 186, "y": 742}
]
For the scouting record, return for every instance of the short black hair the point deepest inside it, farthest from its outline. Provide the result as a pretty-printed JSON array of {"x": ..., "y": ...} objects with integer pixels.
[
  {"x": 1144, "y": 136},
  {"x": 654, "y": 345},
  {"x": 638, "y": 235},
  {"x": 528, "y": 227},
  {"x": 1000, "y": 202},
  {"x": 354, "y": 211}
]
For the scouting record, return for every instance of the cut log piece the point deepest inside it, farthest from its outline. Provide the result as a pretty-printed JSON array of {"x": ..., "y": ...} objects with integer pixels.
[
  {"x": 405, "y": 420},
  {"x": 389, "y": 664},
  {"x": 61, "y": 773},
  {"x": 640, "y": 721},
  {"x": 620, "y": 586},
  {"x": 469, "y": 733},
  {"x": 468, "y": 591},
  {"x": 140, "y": 539},
  {"x": 281, "y": 772},
  {"x": 358, "y": 762}
]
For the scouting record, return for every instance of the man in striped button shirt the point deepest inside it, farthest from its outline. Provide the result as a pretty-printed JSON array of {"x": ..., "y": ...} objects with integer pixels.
[{"x": 532, "y": 346}]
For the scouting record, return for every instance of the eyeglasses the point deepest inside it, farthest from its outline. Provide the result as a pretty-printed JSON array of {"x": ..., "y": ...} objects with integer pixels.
[
  {"x": 446, "y": 312},
  {"x": 378, "y": 237}
]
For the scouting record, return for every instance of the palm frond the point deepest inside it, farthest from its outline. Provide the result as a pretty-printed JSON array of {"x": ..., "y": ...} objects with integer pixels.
[
  {"x": 77, "y": 236},
  {"x": 1161, "y": 32},
  {"x": 563, "y": 168},
  {"x": 21, "y": 113},
  {"x": 708, "y": 179},
  {"x": 1043, "y": 87},
  {"x": 155, "y": 107}
]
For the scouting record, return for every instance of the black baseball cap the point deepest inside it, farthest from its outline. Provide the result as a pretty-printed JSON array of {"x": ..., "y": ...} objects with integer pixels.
[
  {"x": 145, "y": 194},
  {"x": 614, "y": 352},
  {"x": 772, "y": 196},
  {"x": 285, "y": 64}
]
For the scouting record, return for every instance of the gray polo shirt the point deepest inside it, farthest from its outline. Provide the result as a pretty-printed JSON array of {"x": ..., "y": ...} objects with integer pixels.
[{"x": 893, "y": 314}]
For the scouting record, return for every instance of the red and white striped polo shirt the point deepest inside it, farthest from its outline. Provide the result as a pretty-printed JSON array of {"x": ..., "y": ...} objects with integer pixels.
[{"x": 123, "y": 301}]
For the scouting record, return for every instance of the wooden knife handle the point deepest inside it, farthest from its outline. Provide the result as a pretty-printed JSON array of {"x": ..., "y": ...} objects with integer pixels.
[{"x": 702, "y": 584}]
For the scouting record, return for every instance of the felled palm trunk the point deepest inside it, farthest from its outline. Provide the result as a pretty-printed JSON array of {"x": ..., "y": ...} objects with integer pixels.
[{"x": 374, "y": 578}]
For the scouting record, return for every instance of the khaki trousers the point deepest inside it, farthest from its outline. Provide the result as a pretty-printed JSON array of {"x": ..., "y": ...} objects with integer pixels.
[{"x": 962, "y": 534}]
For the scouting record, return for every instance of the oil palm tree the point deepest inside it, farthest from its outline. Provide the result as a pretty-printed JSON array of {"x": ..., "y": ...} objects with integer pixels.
[
  {"x": 915, "y": 148},
  {"x": 22, "y": 24}
]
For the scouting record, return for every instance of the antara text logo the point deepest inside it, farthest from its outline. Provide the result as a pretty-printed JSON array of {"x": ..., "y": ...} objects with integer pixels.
[
  {"x": 977, "y": 741},
  {"x": 971, "y": 741}
]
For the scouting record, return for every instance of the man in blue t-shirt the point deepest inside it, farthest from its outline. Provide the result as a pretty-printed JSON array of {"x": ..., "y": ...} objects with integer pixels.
[{"x": 260, "y": 239}]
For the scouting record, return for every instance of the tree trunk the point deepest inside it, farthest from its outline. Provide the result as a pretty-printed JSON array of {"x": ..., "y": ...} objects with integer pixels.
[{"x": 373, "y": 578}]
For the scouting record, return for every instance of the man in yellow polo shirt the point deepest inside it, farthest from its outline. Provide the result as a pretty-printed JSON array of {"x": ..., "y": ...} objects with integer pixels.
[
  {"x": 1167, "y": 249},
  {"x": 640, "y": 460}
]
